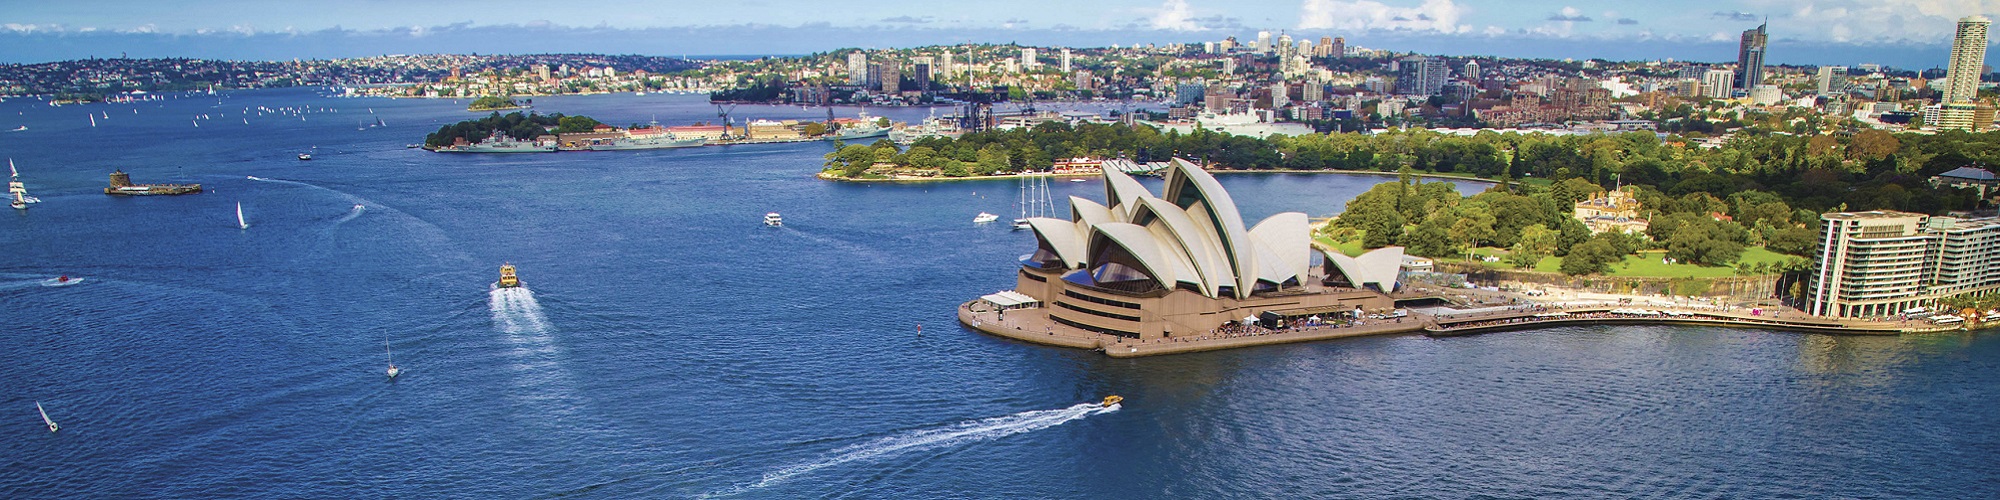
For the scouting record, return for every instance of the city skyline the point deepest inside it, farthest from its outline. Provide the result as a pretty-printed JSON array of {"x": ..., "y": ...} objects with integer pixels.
[{"x": 1907, "y": 34}]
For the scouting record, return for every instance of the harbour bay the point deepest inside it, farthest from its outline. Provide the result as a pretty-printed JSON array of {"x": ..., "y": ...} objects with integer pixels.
[{"x": 674, "y": 346}]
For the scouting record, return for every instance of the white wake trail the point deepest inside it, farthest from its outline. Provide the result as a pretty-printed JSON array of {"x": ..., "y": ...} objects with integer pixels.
[
  {"x": 515, "y": 310},
  {"x": 969, "y": 431}
]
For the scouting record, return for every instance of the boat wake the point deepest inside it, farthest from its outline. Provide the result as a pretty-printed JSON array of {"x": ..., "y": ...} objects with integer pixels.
[
  {"x": 515, "y": 311},
  {"x": 961, "y": 433},
  {"x": 61, "y": 281},
  {"x": 352, "y": 214}
]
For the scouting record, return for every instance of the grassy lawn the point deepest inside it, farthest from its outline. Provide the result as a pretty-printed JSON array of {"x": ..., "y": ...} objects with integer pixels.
[
  {"x": 1648, "y": 264},
  {"x": 1352, "y": 248}
]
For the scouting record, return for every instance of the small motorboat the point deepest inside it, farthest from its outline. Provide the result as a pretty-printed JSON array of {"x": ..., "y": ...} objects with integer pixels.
[
  {"x": 1079, "y": 180},
  {"x": 507, "y": 278},
  {"x": 305, "y": 156},
  {"x": 984, "y": 217},
  {"x": 61, "y": 281},
  {"x": 774, "y": 220},
  {"x": 1112, "y": 400},
  {"x": 45, "y": 418}
]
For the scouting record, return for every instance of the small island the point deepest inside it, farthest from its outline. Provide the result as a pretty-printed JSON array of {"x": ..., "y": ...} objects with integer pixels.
[{"x": 491, "y": 103}]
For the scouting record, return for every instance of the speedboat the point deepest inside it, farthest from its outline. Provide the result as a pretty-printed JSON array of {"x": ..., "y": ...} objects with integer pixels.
[
  {"x": 507, "y": 278},
  {"x": 1112, "y": 400},
  {"x": 305, "y": 156},
  {"x": 773, "y": 219},
  {"x": 61, "y": 281},
  {"x": 984, "y": 217}
]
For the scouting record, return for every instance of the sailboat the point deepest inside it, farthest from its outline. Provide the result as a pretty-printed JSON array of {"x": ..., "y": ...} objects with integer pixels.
[
  {"x": 240, "y": 223},
  {"x": 1035, "y": 201},
  {"x": 16, "y": 191},
  {"x": 45, "y": 417},
  {"x": 393, "y": 370}
]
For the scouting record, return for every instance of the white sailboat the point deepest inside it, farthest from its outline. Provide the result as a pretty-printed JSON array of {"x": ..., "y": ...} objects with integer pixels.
[
  {"x": 393, "y": 370},
  {"x": 1035, "y": 200},
  {"x": 240, "y": 223},
  {"x": 17, "y": 193},
  {"x": 45, "y": 418}
]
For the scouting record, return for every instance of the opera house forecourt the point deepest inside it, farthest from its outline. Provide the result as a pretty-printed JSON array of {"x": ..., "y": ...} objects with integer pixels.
[{"x": 1145, "y": 269}]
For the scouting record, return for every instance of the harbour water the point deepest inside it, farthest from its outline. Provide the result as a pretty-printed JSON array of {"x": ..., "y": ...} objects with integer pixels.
[{"x": 668, "y": 344}]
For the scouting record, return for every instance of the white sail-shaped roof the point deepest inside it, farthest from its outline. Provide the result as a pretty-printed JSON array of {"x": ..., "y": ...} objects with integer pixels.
[
  {"x": 1193, "y": 235},
  {"x": 1377, "y": 267}
]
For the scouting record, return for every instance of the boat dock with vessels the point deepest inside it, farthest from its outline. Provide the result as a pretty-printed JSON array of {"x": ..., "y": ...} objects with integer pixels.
[{"x": 121, "y": 185}]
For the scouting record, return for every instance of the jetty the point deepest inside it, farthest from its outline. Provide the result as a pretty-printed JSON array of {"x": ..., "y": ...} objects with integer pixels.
[{"x": 121, "y": 185}]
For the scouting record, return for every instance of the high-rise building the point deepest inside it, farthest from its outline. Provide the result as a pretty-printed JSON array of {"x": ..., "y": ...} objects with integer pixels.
[
  {"x": 920, "y": 71},
  {"x": 857, "y": 68},
  {"x": 1421, "y": 75},
  {"x": 1229, "y": 66},
  {"x": 1028, "y": 62},
  {"x": 1750, "y": 59},
  {"x": 1968, "y": 56},
  {"x": 1065, "y": 61},
  {"x": 1263, "y": 42},
  {"x": 1339, "y": 47},
  {"x": 1216, "y": 99},
  {"x": 1083, "y": 80},
  {"x": 1189, "y": 93},
  {"x": 1279, "y": 95},
  {"x": 1472, "y": 71},
  {"x": 1312, "y": 90},
  {"x": 944, "y": 66},
  {"x": 1831, "y": 80},
  {"x": 1883, "y": 263},
  {"x": 1716, "y": 83},
  {"x": 1325, "y": 48},
  {"x": 890, "y": 78},
  {"x": 1284, "y": 46}
]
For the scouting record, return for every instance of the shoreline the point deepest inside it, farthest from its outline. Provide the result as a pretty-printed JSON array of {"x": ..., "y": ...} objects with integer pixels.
[
  {"x": 1031, "y": 325},
  {"x": 823, "y": 175}
]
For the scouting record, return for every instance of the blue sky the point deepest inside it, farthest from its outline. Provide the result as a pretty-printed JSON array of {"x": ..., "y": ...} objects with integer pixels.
[{"x": 1906, "y": 33}]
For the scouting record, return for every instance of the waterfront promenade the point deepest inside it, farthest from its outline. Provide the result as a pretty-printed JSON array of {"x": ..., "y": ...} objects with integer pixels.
[{"x": 1033, "y": 325}]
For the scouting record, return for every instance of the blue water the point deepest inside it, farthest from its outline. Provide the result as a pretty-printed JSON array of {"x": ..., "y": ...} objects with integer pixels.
[{"x": 667, "y": 344}]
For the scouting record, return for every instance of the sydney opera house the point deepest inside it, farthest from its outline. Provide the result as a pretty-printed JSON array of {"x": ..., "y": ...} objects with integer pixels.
[{"x": 1145, "y": 266}]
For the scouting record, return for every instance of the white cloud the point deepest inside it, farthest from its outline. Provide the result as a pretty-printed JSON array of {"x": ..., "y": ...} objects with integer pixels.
[
  {"x": 1175, "y": 15},
  {"x": 1850, "y": 21},
  {"x": 1432, "y": 15}
]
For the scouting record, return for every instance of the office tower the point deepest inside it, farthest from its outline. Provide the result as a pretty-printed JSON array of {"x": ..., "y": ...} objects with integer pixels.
[
  {"x": 857, "y": 68},
  {"x": 1750, "y": 59},
  {"x": 1968, "y": 55}
]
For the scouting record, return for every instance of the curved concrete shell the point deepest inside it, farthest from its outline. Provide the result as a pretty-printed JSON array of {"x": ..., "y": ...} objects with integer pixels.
[
  {"x": 1377, "y": 267},
  {"x": 1191, "y": 188}
]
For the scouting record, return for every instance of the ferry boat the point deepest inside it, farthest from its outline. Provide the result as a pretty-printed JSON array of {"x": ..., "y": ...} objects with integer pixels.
[
  {"x": 507, "y": 278},
  {"x": 1112, "y": 400},
  {"x": 773, "y": 219}
]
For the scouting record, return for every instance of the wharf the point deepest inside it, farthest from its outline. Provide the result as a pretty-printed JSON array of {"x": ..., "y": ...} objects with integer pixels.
[{"x": 1531, "y": 317}]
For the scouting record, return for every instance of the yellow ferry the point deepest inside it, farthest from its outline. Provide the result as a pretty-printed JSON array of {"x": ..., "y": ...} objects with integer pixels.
[{"x": 507, "y": 279}]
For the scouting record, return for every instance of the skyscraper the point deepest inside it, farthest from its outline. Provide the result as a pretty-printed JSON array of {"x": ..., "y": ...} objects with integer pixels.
[
  {"x": 920, "y": 70},
  {"x": 857, "y": 68},
  {"x": 1750, "y": 59},
  {"x": 1420, "y": 75},
  {"x": 1325, "y": 48},
  {"x": 1028, "y": 62},
  {"x": 1339, "y": 47},
  {"x": 1263, "y": 42},
  {"x": 1968, "y": 54}
]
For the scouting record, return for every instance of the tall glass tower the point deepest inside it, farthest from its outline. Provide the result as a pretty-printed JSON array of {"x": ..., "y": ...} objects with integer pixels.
[
  {"x": 1750, "y": 59},
  {"x": 1968, "y": 55}
]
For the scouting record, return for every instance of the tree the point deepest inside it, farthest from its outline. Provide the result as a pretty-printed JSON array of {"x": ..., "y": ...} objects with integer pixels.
[
  {"x": 575, "y": 124},
  {"x": 1432, "y": 238},
  {"x": 1474, "y": 225},
  {"x": 1536, "y": 241},
  {"x": 852, "y": 160},
  {"x": 1591, "y": 257}
]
